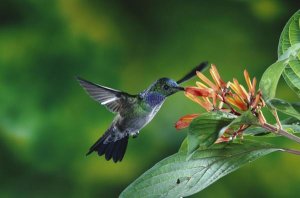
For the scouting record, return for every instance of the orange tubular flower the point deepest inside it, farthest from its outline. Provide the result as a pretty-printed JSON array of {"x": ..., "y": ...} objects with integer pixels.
[
  {"x": 237, "y": 102},
  {"x": 207, "y": 81},
  {"x": 207, "y": 93},
  {"x": 248, "y": 81},
  {"x": 229, "y": 97},
  {"x": 215, "y": 75},
  {"x": 202, "y": 102},
  {"x": 253, "y": 86},
  {"x": 185, "y": 121},
  {"x": 240, "y": 90},
  {"x": 212, "y": 96},
  {"x": 201, "y": 85},
  {"x": 199, "y": 92}
]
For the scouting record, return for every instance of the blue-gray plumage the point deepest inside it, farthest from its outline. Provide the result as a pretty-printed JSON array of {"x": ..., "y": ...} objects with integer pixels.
[{"x": 133, "y": 112}]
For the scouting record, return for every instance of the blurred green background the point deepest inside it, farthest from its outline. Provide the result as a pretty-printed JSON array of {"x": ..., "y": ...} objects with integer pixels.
[{"x": 47, "y": 122}]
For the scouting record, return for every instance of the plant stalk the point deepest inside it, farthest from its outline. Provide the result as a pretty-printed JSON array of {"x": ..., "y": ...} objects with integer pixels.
[
  {"x": 282, "y": 132},
  {"x": 295, "y": 152}
]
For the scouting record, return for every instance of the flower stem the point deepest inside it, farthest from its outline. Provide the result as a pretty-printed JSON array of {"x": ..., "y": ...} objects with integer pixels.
[
  {"x": 274, "y": 111},
  {"x": 295, "y": 152},
  {"x": 282, "y": 132}
]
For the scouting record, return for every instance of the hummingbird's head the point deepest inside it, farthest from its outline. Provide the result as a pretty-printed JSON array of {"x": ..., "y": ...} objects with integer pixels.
[{"x": 166, "y": 87}]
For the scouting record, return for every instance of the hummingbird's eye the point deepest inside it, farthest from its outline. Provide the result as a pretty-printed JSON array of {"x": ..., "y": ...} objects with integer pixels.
[{"x": 166, "y": 87}]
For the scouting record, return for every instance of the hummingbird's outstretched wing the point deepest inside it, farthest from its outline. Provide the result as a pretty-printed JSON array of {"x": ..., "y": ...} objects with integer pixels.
[
  {"x": 113, "y": 100},
  {"x": 192, "y": 73}
]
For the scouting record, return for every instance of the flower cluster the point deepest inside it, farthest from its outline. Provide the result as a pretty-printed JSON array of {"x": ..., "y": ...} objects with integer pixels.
[{"x": 216, "y": 94}]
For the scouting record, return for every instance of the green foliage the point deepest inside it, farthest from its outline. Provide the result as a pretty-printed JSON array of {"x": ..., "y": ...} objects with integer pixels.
[
  {"x": 292, "y": 109},
  {"x": 176, "y": 176},
  {"x": 204, "y": 130},
  {"x": 289, "y": 49},
  {"x": 207, "y": 128},
  {"x": 290, "y": 34},
  {"x": 288, "y": 63},
  {"x": 292, "y": 78},
  {"x": 270, "y": 78},
  {"x": 245, "y": 118}
]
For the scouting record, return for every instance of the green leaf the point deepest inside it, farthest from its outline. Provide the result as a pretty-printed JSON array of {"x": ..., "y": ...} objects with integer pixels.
[
  {"x": 296, "y": 106},
  {"x": 176, "y": 177},
  {"x": 291, "y": 53},
  {"x": 270, "y": 78},
  {"x": 292, "y": 80},
  {"x": 245, "y": 118},
  {"x": 292, "y": 109},
  {"x": 290, "y": 120},
  {"x": 290, "y": 34},
  {"x": 183, "y": 146},
  {"x": 295, "y": 65},
  {"x": 204, "y": 130},
  {"x": 291, "y": 75},
  {"x": 289, "y": 49}
]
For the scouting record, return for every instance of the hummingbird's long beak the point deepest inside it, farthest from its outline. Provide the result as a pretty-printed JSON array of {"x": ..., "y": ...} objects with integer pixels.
[
  {"x": 192, "y": 73},
  {"x": 180, "y": 88}
]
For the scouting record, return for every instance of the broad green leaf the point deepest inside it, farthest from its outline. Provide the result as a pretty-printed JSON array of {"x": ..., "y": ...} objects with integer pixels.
[
  {"x": 291, "y": 125},
  {"x": 270, "y": 78},
  {"x": 290, "y": 120},
  {"x": 292, "y": 79},
  {"x": 292, "y": 109},
  {"x": 284, "y": 42},
  {"x": 177, "y": 177},
  {"x": 290, "y": 34},
  {"x": 291, "y": 53},
  {"x": 205, "y": 129},
  {"x": 183, "y": 146},
  {"x": 296, "y": 106},
  {"x": 291, "y": 75},
  {"x": 295, "y": 65},
  {"x": 294, "y": 29},
  {"x": 289, "y": 49},
  {"x": 246, "y": 118}
]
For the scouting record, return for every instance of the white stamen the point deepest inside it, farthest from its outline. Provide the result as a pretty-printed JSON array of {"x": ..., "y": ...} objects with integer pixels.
[{"x": 109, "y": 100}]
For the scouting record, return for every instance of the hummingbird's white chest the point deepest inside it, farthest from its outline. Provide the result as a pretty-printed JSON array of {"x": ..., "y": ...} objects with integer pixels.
[
  {"x": 153, "y": 112},
  {"x": 136, "y": 123},
  {"x": 141, "y": 114}
]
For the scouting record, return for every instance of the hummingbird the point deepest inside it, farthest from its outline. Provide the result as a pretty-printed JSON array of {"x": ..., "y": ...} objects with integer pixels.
[{"x": 132, "y": 112}]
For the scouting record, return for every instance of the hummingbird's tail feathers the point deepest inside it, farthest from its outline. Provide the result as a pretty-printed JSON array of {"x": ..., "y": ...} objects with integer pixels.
[
  {"x": 192, "y": 73},
  {"x": 114, "y": 149},
  {"x": 112, "y": 99}
]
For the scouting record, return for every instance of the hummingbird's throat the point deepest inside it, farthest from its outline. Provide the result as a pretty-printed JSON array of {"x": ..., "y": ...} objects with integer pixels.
[{"x": 154, "y": 99}]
